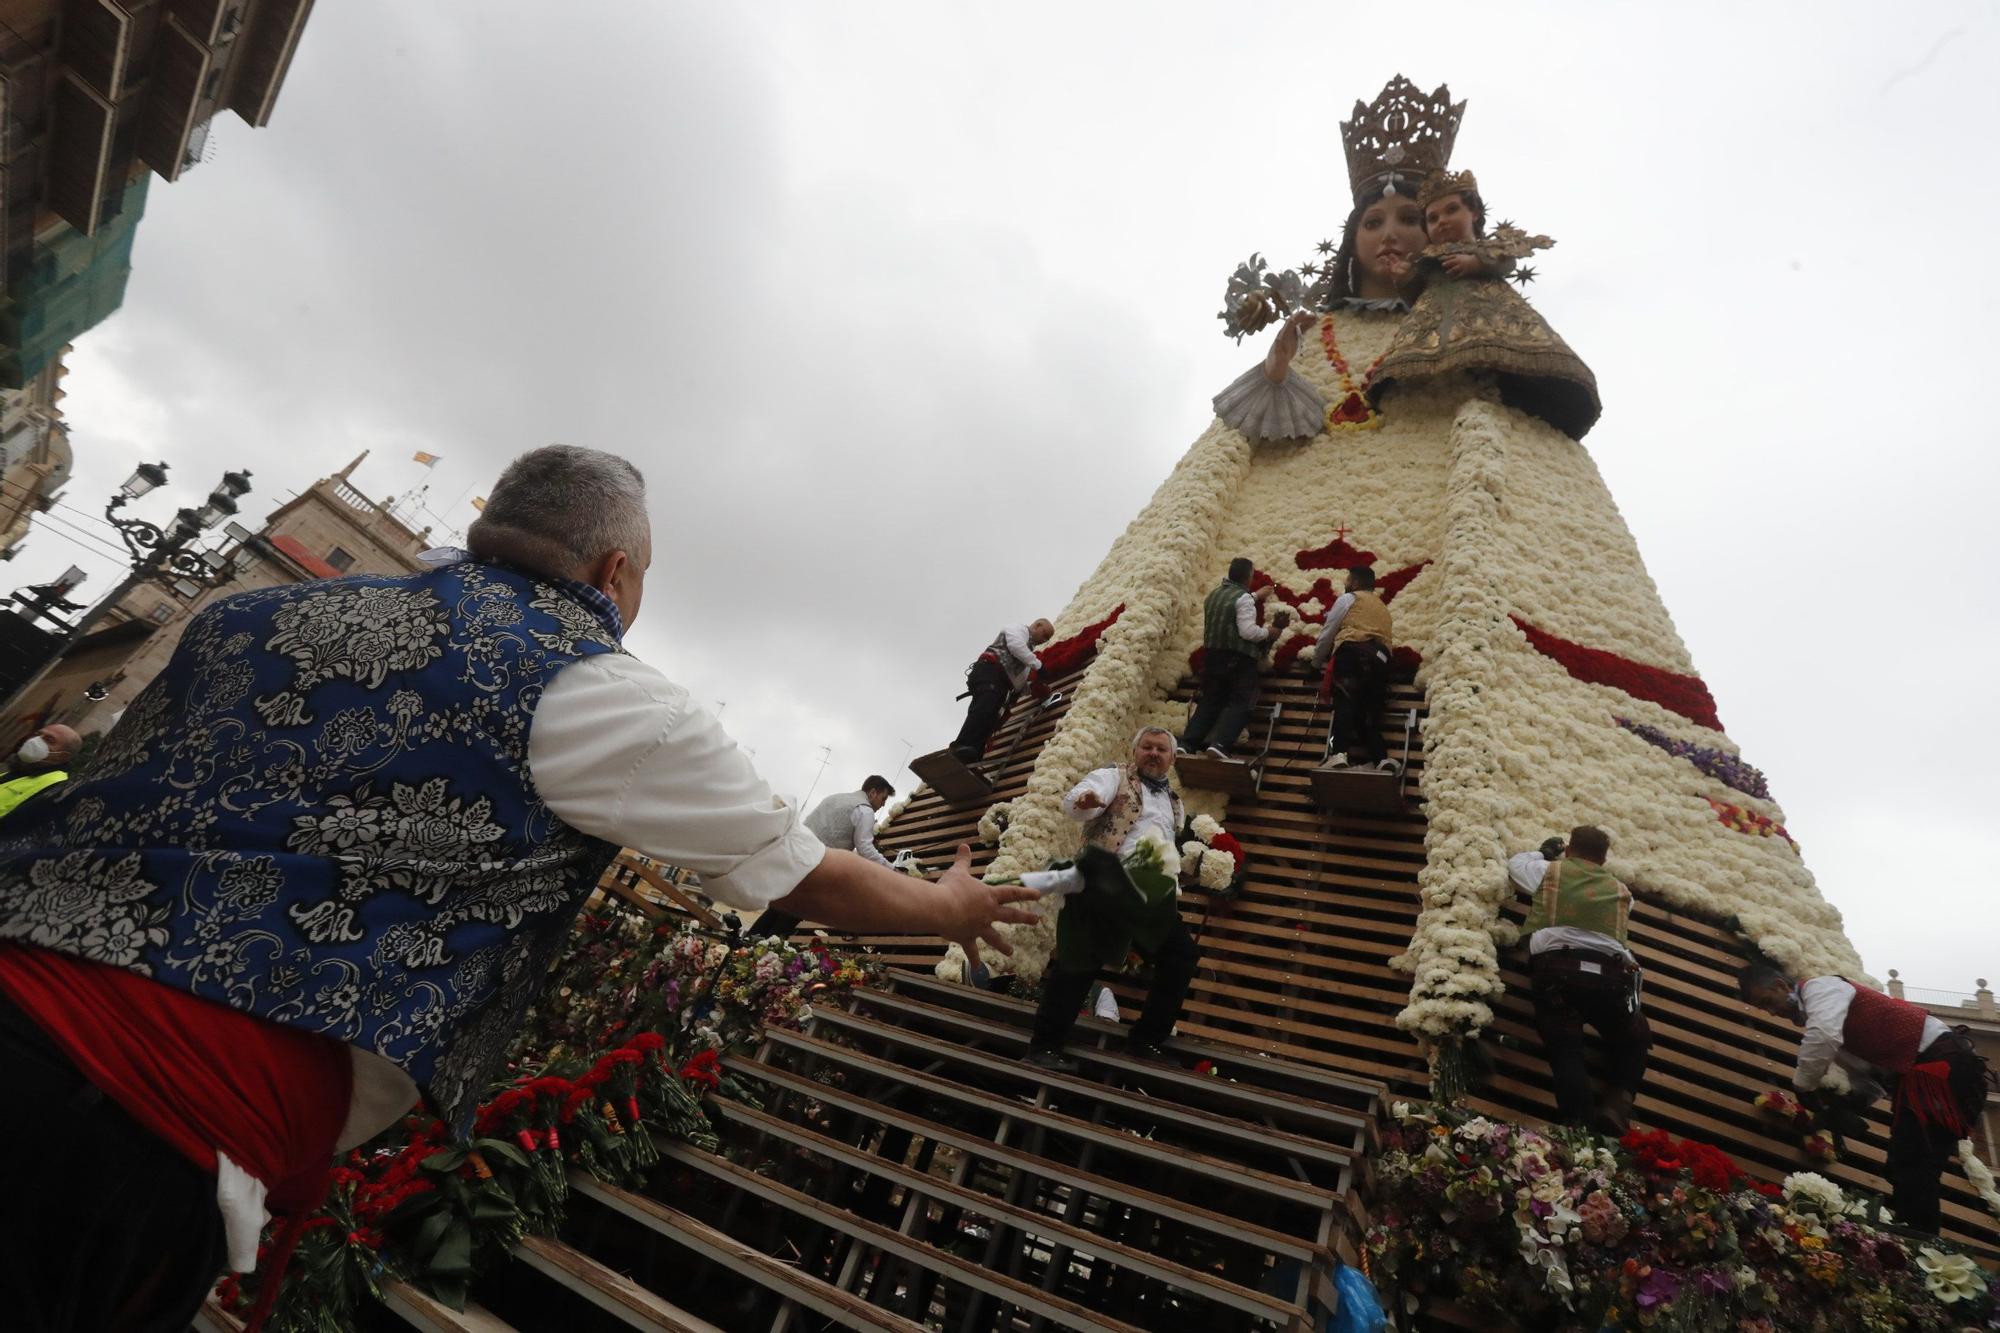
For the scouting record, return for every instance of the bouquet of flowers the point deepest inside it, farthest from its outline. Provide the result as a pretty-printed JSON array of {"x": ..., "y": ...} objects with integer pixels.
[
  {"x": 1215, "y": 856},
  {"x": 1565, "y": 1229}
]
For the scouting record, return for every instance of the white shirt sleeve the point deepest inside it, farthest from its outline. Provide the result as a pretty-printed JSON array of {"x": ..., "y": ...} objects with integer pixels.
[
  {"x": 1104, "y": 782},
  {"x": 1826, "y": 1000},
  {"x": 1019, "y": 648},
  {"x": 864, "y": 834},
  {"x": 1527, "y": 870},
  {"x": 1323, "y": 647},
  {"x": 618, "y": 751},
  {"x": 1246, "y": 620}
]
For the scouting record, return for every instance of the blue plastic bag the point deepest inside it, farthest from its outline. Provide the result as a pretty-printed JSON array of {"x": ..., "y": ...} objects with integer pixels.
[{"x": 1360, "y": 1311}]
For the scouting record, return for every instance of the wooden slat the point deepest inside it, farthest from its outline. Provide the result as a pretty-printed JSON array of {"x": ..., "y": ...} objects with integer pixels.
[
  {"x": 941, "y": 1262},
  {"x": 1027, "y": 1221},
  {"x": 842, "y": 1307},
  {"x": 425, "y": 1313},
  {"x": 1249, "y": 1137},
  {"x": 1033, "y": 1164},
  {"x": 610, "y": 1292},
  {"x": 1218, "y": 1171}
]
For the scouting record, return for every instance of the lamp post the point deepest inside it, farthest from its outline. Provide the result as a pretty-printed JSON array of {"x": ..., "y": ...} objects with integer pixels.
[{"x": 161, "y": 555}]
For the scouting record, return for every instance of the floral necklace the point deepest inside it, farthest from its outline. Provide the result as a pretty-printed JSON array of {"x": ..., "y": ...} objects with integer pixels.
[{"x": 1352, "y": 412}]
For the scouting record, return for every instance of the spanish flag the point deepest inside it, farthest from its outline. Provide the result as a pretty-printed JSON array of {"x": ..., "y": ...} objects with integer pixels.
[{"x": 428, "y": 460}]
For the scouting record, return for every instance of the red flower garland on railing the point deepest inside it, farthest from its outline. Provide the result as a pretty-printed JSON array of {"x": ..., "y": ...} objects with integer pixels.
[{"x": 1677, "y": 693}]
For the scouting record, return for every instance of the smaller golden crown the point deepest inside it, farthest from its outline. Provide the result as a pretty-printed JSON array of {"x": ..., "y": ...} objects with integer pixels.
[{"x": 1441, "y": 183}]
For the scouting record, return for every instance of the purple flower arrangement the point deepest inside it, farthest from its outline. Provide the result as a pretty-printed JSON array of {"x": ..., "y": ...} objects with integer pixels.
[{"x": 1726, "y": 768}]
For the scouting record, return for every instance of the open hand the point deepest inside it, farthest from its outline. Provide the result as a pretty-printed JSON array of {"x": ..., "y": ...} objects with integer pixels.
[
  {"x": 1089, "y": 800},
  {"x": 972, "y": 910}
]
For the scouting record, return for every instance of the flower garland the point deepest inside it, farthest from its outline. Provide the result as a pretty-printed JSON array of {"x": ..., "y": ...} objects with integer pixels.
[
  {"x": 1559, "y": 1229},
  {"x": 1748, "y": 821},
  {"x": 1726, "y": 768},
  {"x": 1682, "y": 694},
  {"x": 1979, "y": 1176},
  {"x": 655, "y": 1007},
  {"x": 1351, "y": 410}
]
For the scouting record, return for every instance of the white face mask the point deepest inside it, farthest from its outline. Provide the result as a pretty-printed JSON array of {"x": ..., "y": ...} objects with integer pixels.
[{"x": 33, "y": 750}]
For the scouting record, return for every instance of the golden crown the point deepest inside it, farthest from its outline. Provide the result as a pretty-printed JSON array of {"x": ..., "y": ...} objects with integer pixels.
[
  {"x": 1403, "y": 135},
  {"x": 1441, "y": 183}
]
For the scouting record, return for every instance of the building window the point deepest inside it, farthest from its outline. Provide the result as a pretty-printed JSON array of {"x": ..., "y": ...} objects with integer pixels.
[
  {"x": 340, "y": 559},
  {"x": 161, "y": 613}
]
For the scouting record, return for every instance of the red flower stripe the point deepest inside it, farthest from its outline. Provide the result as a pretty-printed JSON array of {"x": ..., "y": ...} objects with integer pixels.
[
  {"x": 1685, "y": 695},
  {"x": 1066, "y": 655}
]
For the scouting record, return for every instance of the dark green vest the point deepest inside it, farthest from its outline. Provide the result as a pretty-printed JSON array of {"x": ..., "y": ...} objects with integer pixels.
[{"x": 1218, "y": 622}]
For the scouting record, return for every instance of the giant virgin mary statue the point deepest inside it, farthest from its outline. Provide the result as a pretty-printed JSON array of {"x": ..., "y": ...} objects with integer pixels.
[{"x": 1557, "y": 689}]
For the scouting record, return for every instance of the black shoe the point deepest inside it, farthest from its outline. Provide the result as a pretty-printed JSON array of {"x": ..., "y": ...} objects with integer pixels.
[
  {"x": 965, "y": 754},
  {"x": 1053, "y": 1061},
  {"x": 1149, "y": 1050}
]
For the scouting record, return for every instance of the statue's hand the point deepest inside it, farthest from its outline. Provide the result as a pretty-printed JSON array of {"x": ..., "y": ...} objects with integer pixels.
[{"x": 1286, "y": 345}]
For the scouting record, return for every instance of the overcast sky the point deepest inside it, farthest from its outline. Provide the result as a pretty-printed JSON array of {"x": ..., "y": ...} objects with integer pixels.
[{"x": 905, "y": 310}]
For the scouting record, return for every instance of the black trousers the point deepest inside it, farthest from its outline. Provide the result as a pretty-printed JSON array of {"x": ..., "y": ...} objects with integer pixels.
[
  {"x": 990, "y": 689},
  {"x": 1919, "y": 1150},
  {"x": 107, "y": 1229},
  {"x": 1360, "y": 685},
  {"x": 1568, "y": 1000},
  {"x": 1173, "y": 966},
  {"x": 774, "y": 922},
  {"x": 1228, "y": 693}
]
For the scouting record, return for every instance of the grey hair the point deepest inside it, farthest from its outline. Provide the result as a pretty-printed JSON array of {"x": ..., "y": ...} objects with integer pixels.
[
  {"x": 1144, "y": 732},
  {"x": 558, "y": 510}
]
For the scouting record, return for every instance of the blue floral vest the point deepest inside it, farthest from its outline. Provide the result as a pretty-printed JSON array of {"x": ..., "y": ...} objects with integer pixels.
[{"x": 320, "y": 813}]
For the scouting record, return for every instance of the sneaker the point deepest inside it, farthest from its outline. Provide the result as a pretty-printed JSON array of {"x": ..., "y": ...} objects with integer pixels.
[
  {"x": 1337, "y": 761},
  {"x": 1106, "y": 1006},
  {"x": 1216, "y": 752},
  {"x": 1391, "y": 765},
  {"x": 1053, "y": 1061},
  {"x": 1148, "y": 1050}
]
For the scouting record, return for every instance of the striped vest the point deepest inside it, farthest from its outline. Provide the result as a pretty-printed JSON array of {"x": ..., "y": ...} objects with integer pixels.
[
  {"x": 1218, "y": 622},
  {"x": 1582, "y": 895}
]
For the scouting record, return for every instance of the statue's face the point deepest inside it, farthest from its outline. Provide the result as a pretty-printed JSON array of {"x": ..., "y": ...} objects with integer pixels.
[
  {"x": 1392, "y": 225},
  {"x": 1448, "y": 219}
]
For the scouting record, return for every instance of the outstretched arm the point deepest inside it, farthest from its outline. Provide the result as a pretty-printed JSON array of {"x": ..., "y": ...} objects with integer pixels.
[{"x": 851, "y": 894}]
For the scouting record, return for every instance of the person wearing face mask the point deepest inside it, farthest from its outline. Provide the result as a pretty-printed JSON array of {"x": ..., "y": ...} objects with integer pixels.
[
  {"x": 216, "y": 975},
  {"x": 1104, "y": 918},
  {"x": 42, "y": 761}
]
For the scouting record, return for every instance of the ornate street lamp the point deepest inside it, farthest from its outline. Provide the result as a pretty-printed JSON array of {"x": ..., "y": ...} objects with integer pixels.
[
  {"x": 161, "y": 555},
  {"x": 145, "y": 477}
]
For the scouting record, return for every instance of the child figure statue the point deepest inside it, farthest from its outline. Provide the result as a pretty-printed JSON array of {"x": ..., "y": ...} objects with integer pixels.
[{"x": 1466, "y": 317}]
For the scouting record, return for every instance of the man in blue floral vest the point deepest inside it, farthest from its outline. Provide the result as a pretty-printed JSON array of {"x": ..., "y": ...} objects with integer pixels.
[{"x": 322, "y": 865}]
